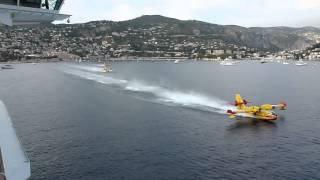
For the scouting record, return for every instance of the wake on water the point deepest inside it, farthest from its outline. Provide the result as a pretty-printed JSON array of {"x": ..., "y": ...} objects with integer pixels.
[{"x": 160, "y": 94}]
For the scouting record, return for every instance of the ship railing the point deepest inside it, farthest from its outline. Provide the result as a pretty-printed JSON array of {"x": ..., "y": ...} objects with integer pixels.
[{"x": 2, "y": 175}]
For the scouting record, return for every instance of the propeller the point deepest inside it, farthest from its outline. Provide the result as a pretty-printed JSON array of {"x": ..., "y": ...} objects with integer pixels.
[{"x": 245, "y": 102}]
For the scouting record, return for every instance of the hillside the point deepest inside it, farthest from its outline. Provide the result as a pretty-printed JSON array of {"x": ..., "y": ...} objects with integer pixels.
[
  {"x": 271, "y": 38},
  {"x": 151, "y": 35}
]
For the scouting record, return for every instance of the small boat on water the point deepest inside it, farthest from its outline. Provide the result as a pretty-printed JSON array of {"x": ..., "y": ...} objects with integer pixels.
[
  {"x": 262, "y": 61},
  {"x": 301, "y": 63},
  {"x": 285, "y": 63},
  {"x": 227, "y": 63},
  {"x": 177, "y": 61},
  {"x": 7, "y": 66},
  {"x": 107, "y": 68}
]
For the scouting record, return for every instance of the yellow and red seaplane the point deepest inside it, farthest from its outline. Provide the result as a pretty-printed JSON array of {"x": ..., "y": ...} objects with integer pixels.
[{"x": 263, "y": 112}]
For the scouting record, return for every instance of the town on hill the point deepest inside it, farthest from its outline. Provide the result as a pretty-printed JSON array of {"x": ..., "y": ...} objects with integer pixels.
[{"x": 158, "y": 37}]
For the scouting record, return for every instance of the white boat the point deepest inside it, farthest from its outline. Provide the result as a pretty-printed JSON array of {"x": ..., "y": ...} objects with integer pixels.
[
  {"x": 227, "y": 63},
  {"x": 262, "y": 61},
  {"x": 177, "y": 61},
  {"x": 301, "y": 63},
  {"x": 7, "y": 66},
  {"x": 285, "y": 63},
  {"x": 107, "y": 68}
]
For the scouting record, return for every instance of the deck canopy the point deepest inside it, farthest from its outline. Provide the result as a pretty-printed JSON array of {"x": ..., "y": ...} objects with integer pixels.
[{"x": 15, "y": 12}]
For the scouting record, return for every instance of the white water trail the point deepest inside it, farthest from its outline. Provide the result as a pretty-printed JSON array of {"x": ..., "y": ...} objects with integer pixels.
[
  {"x": 96, "y": 77},
  {"x": 85, "y": 67},
  {"x": 158, "y": 94},
  {"x": 180, "y": 98}
]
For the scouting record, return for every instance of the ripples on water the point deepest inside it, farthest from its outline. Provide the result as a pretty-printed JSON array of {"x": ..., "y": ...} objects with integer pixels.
[{"x": 163, "y": 121}]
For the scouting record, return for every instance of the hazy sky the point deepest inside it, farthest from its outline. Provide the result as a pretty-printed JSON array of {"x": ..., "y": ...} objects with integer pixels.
[{"x": 240, "y": 12}]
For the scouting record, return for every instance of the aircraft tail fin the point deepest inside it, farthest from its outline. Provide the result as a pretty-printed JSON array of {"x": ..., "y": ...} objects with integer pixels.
[{"x": 239, "y": 102}]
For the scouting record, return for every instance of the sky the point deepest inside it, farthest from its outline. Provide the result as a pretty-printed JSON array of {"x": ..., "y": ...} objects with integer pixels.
[{"x": 248, "y": 13}]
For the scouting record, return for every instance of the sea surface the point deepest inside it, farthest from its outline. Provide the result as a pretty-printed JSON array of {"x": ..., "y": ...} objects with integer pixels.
[{"x": 160, "y": 120}]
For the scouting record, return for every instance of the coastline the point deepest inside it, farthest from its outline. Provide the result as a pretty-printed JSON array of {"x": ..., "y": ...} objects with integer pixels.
[{"x": 144, "y": 59}]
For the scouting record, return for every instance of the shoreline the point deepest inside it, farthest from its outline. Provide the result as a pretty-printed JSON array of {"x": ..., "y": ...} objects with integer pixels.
[{"x": 145, "y": 59}]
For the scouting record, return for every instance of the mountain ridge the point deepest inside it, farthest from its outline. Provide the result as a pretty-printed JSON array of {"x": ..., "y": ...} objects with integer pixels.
[
  {"x": 161, "y": 16},
  {"x": 266, "y": 38}
]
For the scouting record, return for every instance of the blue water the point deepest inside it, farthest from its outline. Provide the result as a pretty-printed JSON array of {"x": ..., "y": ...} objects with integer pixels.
[{"x": 163, "y": 120}]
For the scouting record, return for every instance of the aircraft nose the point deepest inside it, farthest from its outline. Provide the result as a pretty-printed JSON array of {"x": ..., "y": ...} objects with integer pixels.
[{"x": 274, "y": 117}]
